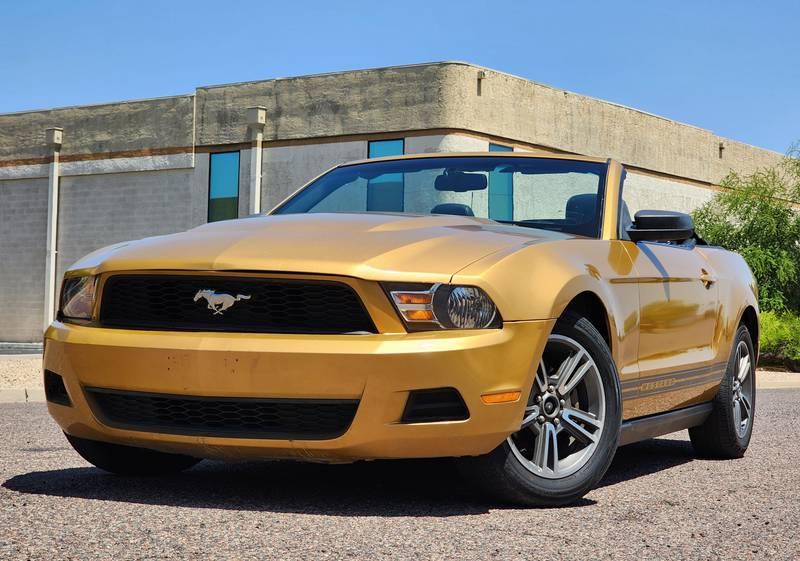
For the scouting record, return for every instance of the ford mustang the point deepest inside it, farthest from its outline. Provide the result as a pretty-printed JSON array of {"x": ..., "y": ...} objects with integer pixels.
[{"x": 503, "y": 310}]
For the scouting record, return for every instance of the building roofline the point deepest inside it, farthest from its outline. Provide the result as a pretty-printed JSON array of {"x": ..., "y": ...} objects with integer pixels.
[
  {"x": 426, "y": 155},
  {"x": 99, "y": 104},
  {"x": 391, "y": 67},
  {"x": 451, "y": 63},
  {"x": 340, "y": 72}
]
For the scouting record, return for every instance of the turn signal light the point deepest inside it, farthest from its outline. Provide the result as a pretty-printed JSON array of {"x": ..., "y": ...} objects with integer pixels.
[
  {"x": 503, "y": 397},
  {"x": 414, "y": 305},
  {"x": 419, "y": 315},
  {"x": 413, "y": 297}
]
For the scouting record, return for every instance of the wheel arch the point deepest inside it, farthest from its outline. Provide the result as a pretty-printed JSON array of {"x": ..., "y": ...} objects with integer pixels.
[
  {"x": 589, "y": 305},
  {"x": 749, "y": 318}
]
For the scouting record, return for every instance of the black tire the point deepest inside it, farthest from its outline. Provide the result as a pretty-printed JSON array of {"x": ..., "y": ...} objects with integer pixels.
[
  {"x": 127, "y": 460},
  {"x": 718, "y": 436},
  {"x": 503, "y": 476}
]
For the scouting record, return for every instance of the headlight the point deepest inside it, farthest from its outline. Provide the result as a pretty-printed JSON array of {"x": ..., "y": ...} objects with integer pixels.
[
  {"x": 467, "y": 307},
  {"x": 443, "y": 306},
  {"x": 77, "y": 297}
]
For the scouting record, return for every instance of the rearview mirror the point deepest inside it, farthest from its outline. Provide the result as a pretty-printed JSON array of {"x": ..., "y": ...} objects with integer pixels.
[
  {"x": 661, "y": 226},
  {"x": 460, "y": 182}
]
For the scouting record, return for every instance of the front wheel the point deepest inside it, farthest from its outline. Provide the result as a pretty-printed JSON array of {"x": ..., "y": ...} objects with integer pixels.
[{"x": 568, "y": 435}]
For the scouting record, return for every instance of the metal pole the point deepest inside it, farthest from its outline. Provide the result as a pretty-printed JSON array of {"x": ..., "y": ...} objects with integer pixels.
[
  {"x": 256, "y": 120},
  {"x": 54, "y": 137}
]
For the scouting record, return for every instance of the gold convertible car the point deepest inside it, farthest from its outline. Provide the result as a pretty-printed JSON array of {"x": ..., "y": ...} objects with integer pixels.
[{"x": 504, "y": 310}]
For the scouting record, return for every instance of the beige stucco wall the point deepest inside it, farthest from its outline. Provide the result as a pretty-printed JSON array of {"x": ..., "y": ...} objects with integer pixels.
[
  {"x": 525, "y": 111},
  {"x": 287, "y": 168},
  {"x": 101, "y": 129},
  {"x": 655, "y": 193},
  {"x": 367, "y": 102},
  {"x": 100, "y": 210},
  {"x": 345, "y": 103}
]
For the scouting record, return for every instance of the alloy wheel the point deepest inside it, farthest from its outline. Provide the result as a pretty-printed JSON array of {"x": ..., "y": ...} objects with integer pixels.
[
  {"x": 563, "y": 420},
  {"x": 742, "y": 393}
]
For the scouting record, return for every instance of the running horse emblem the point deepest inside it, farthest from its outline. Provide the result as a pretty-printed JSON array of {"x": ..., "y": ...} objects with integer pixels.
[{"x": 219, "y": 302}]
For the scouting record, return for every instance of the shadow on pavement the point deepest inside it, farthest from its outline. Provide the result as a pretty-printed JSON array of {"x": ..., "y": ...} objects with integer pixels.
[
  {"x": 381, "y": 488},
  {"x": 647, "y": 457}
]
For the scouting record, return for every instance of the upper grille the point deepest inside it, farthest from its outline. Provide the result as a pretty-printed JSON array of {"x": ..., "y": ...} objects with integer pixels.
[
  {"x": 171, "y": 302},
  {"x": 309, "y": 419}
]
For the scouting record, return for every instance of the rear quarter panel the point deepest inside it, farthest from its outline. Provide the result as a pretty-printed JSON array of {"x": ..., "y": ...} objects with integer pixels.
[{"x": 737, "y": 291}]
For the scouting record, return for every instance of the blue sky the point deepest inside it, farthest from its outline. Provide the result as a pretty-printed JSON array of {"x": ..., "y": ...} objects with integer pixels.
[{"x": 729, "y": 66}]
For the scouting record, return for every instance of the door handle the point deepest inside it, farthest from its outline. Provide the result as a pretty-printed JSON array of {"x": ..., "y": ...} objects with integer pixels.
[{"x": 706, "y": 278}]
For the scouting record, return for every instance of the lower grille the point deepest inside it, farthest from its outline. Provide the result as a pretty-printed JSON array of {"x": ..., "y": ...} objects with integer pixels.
[{"x": 302, "y": 419}]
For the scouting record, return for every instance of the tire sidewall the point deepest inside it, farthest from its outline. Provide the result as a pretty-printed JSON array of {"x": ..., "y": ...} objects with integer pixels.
[
  {"x": 575, "y": 485},
  {"x": 725, "y": 394}
]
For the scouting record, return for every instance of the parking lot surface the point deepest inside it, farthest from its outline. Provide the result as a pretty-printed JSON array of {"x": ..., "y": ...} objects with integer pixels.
[{"x": 657, "y": 502}]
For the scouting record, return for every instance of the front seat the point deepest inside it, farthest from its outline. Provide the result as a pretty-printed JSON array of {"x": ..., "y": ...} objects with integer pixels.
[
  {"x": 581, "y": 213},
  {"x": 453, "y": 208}
]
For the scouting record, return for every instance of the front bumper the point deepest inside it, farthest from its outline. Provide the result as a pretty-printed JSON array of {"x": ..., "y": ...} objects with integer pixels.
[{"x": 379, "y": 370}]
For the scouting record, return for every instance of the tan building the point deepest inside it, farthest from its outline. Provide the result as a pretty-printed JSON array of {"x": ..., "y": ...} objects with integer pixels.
[{"x": 79, "y": 178}]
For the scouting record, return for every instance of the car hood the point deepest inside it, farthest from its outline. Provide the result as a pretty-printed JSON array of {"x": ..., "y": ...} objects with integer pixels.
[{"x": 374, "y": 246}]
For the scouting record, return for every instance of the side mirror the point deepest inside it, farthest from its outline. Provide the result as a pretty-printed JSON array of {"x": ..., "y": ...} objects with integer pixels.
[{"x": 661, "y": 226}]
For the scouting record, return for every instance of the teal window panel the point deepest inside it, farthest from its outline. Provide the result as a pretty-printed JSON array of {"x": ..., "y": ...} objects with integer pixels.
[
  {"x": 381, "y": 148},
  {"x": 387, "y": 192},
  {"x": 223, "y": 186},
  {"x": 501, "y": 190}
]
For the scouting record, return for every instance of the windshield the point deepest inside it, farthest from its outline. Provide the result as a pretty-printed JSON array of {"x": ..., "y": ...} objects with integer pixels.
[{"x": 554, "y": 194}]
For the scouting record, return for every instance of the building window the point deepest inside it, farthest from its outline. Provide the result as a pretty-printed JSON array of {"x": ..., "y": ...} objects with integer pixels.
[
  {"x": 501, "y": 190},
  {"x": 223, "y": 186},
  {"x": 387, "y": 192}
]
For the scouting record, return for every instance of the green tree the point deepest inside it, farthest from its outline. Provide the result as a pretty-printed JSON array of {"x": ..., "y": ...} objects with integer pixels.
[{"x": 757, "y": 216}]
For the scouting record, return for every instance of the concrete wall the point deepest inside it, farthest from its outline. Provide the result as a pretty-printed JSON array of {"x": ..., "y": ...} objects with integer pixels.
[
  {"x": 653, "y": 193},
  {"x": 148, "y": 127},
  {"x": 287, "y": 168},
  {"x": 100, "y": 210},
  {"x": 23, "y": 229},
  {"x": 344, "y": 103},
  {"x": 518, "y": 109},
  {"x": 448, "y": 96},
  {"x": 445, "y": 143}
]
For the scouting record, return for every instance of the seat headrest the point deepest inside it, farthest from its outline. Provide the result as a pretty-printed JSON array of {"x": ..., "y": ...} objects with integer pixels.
[
  {"x": 582, "y": 208},
  {"x": 453, "y": 208}
]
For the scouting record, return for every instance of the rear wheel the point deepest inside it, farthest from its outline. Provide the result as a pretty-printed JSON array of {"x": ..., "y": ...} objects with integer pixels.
[
  {"x": 570, "y": 428},
  {"x": 727, "y": 431},
  {"x": 127, "y": 460}
]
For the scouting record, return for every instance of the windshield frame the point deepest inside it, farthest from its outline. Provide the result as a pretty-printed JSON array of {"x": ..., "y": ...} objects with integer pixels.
[{"x": 602, "y": 192}]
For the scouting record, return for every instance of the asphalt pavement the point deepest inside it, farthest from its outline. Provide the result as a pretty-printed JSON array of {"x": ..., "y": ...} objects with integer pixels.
[{"x": 657, "y": 502}]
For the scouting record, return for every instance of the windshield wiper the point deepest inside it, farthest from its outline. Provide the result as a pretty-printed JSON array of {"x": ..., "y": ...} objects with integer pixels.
[{"x": 528, "y": 223}]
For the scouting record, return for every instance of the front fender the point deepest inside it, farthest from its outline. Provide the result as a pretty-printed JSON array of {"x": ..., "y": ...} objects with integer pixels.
[{"x": 540, "y": 281}]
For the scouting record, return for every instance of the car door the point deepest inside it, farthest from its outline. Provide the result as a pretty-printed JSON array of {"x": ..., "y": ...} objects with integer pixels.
[{"x": 678, "y": 312}]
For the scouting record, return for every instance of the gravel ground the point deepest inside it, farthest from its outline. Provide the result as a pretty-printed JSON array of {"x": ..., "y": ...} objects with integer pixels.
[
  {"x": 20, "y": 371},
  {"x": 657, "y": 502}
]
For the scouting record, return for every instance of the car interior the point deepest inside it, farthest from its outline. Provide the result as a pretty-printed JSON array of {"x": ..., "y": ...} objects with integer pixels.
[{"x": 582, "y": 215}]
